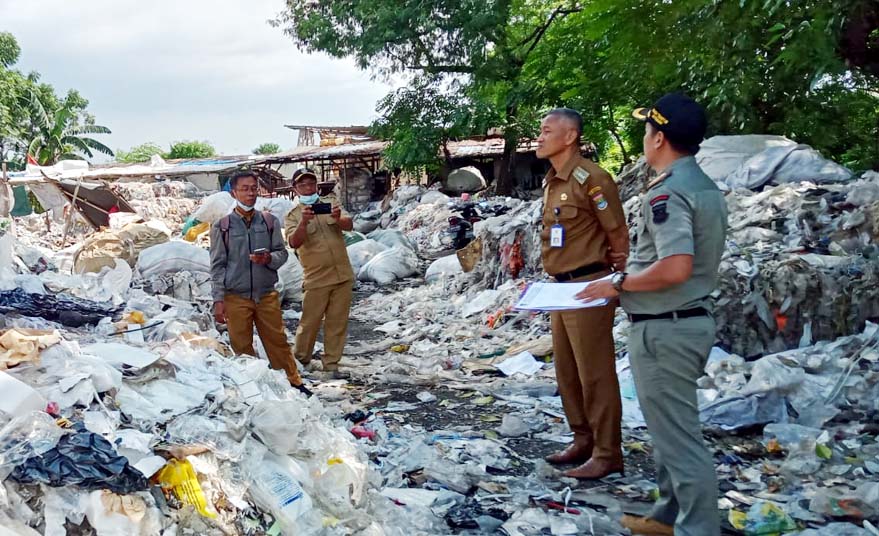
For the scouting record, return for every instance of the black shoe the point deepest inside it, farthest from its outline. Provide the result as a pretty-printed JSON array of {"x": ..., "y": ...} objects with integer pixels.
[{"x": 304, "y": 390}]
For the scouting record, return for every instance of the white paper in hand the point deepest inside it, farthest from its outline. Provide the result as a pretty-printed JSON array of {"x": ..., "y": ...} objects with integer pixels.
[{"x": 556, "y": 297}]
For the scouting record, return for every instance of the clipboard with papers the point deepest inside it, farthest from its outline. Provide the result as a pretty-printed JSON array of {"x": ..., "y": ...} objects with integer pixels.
[{"x": 556, "y": 297}]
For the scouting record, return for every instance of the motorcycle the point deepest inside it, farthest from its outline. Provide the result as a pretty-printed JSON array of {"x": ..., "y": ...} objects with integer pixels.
[{"x": 460, "y": 230}]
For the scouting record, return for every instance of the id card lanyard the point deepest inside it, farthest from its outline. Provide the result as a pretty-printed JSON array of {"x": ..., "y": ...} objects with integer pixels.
[{"x": 557, "y": 232}]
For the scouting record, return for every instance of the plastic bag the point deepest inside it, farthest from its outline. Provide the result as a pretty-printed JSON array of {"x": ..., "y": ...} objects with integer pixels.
[
  {"x": 173, "y": 257},
  {"x": 353, "y": 237},
  {"x": 392, "y": 238},
  {"x": 443, "y": 267},
  {"x": 389, "y": 265},
  {"x": 763, "y": 518},
  {"x": 67, "y": 310},
  {"x": 179, "y": 477},
  {"x": 277, "y": 485},
  {"x": 362, "y": 252},
  {"x": 290, "y": 277},
  {"x": 32, "y": 434},
  {"x": 82, "y": 459},
  {"x": 214, "y": 207},
  {"x": 278, "y": 206},
  {"x": 280, "y": 425}
]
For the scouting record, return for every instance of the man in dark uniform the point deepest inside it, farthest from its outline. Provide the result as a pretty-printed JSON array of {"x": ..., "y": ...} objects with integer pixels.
[
  {"x": 681, "y": 239},
  {"x": 583, "y": 223}
]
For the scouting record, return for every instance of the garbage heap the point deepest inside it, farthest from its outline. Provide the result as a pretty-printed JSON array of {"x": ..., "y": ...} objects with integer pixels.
[{"x": 124, "y": 413}]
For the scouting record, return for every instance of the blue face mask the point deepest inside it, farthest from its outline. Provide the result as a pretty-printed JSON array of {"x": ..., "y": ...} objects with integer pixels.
[{"x": 309, "y": 199}]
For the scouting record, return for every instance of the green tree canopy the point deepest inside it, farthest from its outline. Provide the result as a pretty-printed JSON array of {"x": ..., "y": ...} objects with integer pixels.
[
  {"x": 140, "y": 153},
  {"x": 191, "y": 149},
  {"x": 807, "y": 70},
  {"x": 33, "y": 118},
  {"x": 267, "y": 148}
]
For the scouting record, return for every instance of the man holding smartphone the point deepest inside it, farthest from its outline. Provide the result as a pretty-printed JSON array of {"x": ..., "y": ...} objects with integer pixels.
[
  {"x": 246, "y": 251},
  {"x": 314, "y": 229}
]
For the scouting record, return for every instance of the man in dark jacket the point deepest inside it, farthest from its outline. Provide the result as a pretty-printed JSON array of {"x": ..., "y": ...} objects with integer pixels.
[{"x": 247, "y": 250}]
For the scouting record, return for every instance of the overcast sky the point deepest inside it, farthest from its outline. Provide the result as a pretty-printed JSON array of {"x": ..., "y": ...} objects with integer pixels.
[{"x": 166, "y": 70}]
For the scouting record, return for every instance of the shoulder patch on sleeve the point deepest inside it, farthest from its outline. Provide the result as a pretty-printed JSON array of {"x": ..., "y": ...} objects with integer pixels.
[
  {"x": 660, "y": 211},
  {"x": 658, "y": 199},
  {"x": 599, "y": 200},
  {"x": 595, "y": 190},
  {"x": 581, "y": 175}
]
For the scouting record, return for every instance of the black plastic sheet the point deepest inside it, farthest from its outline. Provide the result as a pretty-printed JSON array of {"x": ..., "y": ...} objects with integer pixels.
[
  {"x": 82, "y": 459},
  {"x": 67, "y": 310}
]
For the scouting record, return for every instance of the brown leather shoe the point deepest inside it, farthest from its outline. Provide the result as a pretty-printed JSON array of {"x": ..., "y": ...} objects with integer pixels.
[
  {"x": 646, "y": 526},
  {"x": 595, "y": 469},
  {"x": 575, "y": 453}
]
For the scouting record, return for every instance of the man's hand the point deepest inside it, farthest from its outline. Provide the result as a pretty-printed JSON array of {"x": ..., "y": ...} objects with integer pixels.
[
  {"x": 261, "y": 258},
  {"x": 307, "y": 215},
  {"x": 599, "y": 290},
  {"x": 220, "y": 312},
  {"x": 337, "y": 212},
  {"x": 617, "y": 259}
]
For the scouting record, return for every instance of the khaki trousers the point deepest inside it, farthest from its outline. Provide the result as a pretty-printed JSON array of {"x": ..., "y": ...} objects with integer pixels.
[
  {"x": 330, "y": 306},
  {"x": 585, "y": 367},
  {"x": 241, "y": 315}
]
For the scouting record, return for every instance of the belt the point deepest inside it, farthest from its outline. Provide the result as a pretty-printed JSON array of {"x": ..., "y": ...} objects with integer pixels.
[
  {"x": 684, "y": 313},
  {"x": 582, "y": 271}
]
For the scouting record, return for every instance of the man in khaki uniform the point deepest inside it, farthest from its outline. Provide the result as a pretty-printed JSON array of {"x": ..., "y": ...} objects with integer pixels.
[
  {"x": 328, "y": 277},
  {"x": 583, "y": 228},
  {"x": 674, "y": 266}
]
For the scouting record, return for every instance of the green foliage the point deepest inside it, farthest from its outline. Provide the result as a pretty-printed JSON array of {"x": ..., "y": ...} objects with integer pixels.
[
  {"x": 806, "y": 70},
  {"x": 191, "y": 149},
  {"x": 35, "y": 120},
  {"x": 9, "y": 50},
  {"x": 140, "y": 153},
  {"x": 267, "y": 148},
  {"x": 420, "y": 119}
]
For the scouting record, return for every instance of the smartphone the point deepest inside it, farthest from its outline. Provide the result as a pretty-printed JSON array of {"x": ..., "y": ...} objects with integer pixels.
[
  {"x": 260, "y": 251},
  {"x": 322, "y": 208}
]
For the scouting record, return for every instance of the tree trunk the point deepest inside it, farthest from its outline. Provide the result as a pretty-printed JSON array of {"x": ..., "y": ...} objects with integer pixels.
[{"x": 506, "y": 178}]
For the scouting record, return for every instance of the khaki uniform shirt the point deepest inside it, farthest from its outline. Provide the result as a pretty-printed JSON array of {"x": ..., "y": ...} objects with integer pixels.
[
  {"x": 682, "y": 213},
  {"x": 584, "y": 199},
  {"x": 323, "y": 255}
]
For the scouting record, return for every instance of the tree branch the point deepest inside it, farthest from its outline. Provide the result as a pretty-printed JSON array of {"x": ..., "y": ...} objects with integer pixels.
[{"x": 540, "y": 31}]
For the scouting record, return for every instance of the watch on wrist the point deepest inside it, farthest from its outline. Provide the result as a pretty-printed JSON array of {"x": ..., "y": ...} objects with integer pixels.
[{"x": 617, "y": 280}]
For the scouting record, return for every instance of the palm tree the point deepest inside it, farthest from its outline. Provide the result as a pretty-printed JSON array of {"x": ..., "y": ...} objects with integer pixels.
[{"x": 59, "y": 137}]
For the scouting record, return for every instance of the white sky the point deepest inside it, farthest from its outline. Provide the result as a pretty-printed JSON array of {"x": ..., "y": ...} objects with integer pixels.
[{"x": 167, "y": 70}]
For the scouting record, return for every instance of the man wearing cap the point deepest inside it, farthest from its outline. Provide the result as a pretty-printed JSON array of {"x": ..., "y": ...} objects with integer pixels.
[
  {"x": 584, "y": 234},
  {"x": 672, "y": 272},
  {"x": 328, "y": 277},
  {"x": 246, "y": 251}
]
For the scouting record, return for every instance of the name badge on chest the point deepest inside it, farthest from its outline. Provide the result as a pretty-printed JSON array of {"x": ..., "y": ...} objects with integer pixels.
[{"x": 557, "y": 236}]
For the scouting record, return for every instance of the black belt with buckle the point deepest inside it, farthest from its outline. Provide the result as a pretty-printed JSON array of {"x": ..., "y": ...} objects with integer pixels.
[
  {"x": 582, "y": 271},
  {"x": 684, "y": 313}
]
